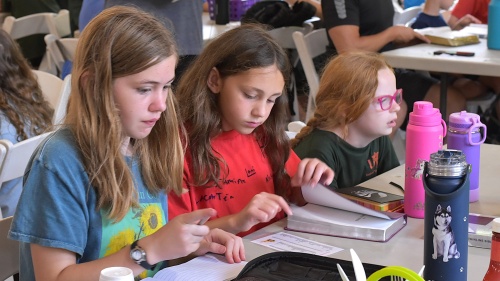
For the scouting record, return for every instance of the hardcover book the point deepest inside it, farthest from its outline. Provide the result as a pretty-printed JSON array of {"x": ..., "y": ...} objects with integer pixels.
[
  {"x": 328, "y": 213},
  {"x": 447, "y": 37},
  {"x": 480, "y": 230},
  {"x": 373, "y": 199}
]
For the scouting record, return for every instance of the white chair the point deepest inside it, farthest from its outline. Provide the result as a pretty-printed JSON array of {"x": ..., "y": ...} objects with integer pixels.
[
  {"x": 283, "y": 36},
  {"x": 294, "y": 128},
  {"x": 16, "y": 157},
  {"x": 60, "y": 50},
  {"x": 310, "y": 46},
  {"x": 406, "y": 15},
  {"x": 9, "y": 257},
  {"x": 39, "y": 23},
  {"x": 51, "y": 86},
  {"x": 62, "y": 106}
]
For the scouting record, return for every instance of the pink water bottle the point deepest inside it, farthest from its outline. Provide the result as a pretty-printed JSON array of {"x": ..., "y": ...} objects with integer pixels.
[
  {"x": 467, "y": 133},
  {"x": 424, "y": 135}
]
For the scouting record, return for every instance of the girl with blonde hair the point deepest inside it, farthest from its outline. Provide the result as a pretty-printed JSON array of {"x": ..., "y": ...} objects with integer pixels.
[
  {"x": 356, "y": 110},
  {"x": 239, "y": 160},
  {"x": 95, "y": 190},
  {"x": 24, "y": 112}
]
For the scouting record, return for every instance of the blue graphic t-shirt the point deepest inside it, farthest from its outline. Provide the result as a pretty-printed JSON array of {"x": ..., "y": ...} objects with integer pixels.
[{"x": 58, "y": 208}]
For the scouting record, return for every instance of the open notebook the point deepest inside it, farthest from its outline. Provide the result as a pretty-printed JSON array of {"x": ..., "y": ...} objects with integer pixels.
[{"x": 328, "y": 213}]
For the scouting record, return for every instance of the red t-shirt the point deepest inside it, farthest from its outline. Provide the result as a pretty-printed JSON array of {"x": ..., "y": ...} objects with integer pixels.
[
  {"x": 476, "y": 8},
  {"x": 249, "y": 174}
]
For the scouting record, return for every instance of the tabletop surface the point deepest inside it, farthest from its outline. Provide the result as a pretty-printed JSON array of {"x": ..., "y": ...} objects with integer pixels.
[
  {"x": 406, "y": 247},
  {"x": 421, "y": 57}
]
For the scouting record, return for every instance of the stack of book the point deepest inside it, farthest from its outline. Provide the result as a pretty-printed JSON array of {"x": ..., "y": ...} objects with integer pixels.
[{"x": 373, "y": 199}]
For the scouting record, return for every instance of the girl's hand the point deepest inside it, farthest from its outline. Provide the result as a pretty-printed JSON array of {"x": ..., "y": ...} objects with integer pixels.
[
  {"x": 179, "y": 237},
  {"x": 312, "y": 171},
  {"x": 465, "y": 21},
  {"x": 221, "y": 242},
  {"x": 262, "y": 208}
]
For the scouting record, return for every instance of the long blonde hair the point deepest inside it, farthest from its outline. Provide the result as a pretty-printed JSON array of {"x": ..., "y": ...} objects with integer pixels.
[
  {"x": 122, "y": 41},
  {"x": 347, "y": 87}
]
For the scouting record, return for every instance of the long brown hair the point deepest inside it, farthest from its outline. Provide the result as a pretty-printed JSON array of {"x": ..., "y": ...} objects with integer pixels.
[
  {"x": 21, "y": 99},
  {"x": 347, "y": 87},
  {"x": 121, "y": 41},
  {"x": 236, "y": 51}
]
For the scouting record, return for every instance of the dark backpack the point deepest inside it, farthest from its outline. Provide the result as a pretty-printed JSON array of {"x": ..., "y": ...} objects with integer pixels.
[{"x": 279, "y": 14}]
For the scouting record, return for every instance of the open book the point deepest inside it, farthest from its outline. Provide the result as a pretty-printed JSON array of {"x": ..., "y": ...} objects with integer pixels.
[{"x": 328, "y": 213}]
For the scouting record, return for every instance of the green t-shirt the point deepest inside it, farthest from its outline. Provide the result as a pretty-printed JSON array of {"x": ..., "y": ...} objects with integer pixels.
[{"x": 351, "y": 165}]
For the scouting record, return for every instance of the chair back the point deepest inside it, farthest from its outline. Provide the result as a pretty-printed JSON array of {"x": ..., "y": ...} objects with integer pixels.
[
  {"x": 51, "y": 87},
  {"x": 406, "y": 15},
  {"x": 17, "y": 156},
  {"x": 284, "y": 37},
  {"x": 60, "y": 50},
  {"x": 294, "y": 128},
  {"x": 310, "y": 46},
  {"x": 62, "y": 106},
  {"x": 9, "y": 259},
  {"x": 39, "y": 23}
]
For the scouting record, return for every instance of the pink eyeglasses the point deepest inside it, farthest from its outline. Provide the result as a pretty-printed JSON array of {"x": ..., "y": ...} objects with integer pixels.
[{"x": 386, "y": 101}]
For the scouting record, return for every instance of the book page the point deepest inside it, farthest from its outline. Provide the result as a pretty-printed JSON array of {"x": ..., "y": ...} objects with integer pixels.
[
  {"x": 324, "y": 196},
  {"x": 283, "y": 241},
  {"x": 207, "y": 268}
]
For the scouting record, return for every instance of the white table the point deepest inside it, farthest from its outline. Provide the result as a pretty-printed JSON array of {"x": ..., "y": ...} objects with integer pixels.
[
  {"x": 485, "y": 62},
  {"x": 406, "y": 247}
]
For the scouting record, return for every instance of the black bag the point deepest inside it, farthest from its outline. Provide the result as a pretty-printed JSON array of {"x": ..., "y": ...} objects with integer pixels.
[
  {"x": 291, "y": 266},
  {"x": 278, "y": 13}
]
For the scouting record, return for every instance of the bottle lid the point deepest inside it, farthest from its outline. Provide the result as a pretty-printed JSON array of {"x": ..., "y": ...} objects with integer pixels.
[
  {"x": 424, "y": 114},
  {"x": 495, "y": 227},
  {"x": 448, "y": 162},
  {"x": 463, "y": 120}
]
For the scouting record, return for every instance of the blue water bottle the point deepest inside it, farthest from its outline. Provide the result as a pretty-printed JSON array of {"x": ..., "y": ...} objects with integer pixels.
[
  {"x": 446, "y": 221},
  {"x": 494, "y": 25}
]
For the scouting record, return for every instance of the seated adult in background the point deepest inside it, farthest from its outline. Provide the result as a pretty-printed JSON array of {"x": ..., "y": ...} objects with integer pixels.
[
  {"x": 182, "y": 18},
  {"x": 23, "y": 111},
  {"x": 356, "y": 109},
  {"x": 368, "y": 25}
]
